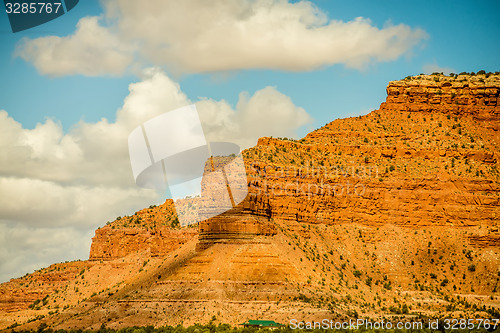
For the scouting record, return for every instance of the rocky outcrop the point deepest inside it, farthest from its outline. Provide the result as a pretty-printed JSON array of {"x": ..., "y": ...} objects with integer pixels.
[
  {"x": 237, "y": 225},
  {"x": 463, "y": 95},
  {"x": 485, "y": 241},
  {"x": 420, "y": 160},
  {"x": 111, "y": 243},
  {"x": 154, "y": 230}
]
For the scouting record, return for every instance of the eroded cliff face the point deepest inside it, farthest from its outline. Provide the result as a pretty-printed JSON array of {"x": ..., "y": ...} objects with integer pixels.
[
  {"x": 154, "y": 230},
  {"x": 237, "y": 225},
  {"x": 429, "y": 156},
  {"x": 464, "y": 95},
  {"x": 111, "y": 244}
]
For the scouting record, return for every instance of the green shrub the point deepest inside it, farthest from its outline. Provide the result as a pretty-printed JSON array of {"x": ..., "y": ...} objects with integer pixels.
[
  {"x": 368, "y": 281},
  {"x": 175, "y": 223}
]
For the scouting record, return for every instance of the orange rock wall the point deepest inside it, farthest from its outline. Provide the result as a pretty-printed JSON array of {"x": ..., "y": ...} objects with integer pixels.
[
  {"x": 432, "y": 184},
  {"x": 111, "y": 243},
  {"x": 465, "y": 95}
]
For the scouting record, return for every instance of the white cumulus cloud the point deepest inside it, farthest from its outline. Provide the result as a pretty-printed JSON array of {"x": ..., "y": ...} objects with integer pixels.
[
  {"x": 92, "y": 50},
  {"x": 209, "y": 36},
  {"x": 25, "y": 248}
]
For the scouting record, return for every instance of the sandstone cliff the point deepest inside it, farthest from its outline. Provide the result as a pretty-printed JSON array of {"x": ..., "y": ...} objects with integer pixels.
[
  {"x": 154, "y": 230},
  {"x": 476, "y": 96},
  {"x": 429, "y": 156}
]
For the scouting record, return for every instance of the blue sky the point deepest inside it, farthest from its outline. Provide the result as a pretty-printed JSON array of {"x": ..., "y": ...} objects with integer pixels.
[{"x": 73, "y": 88}]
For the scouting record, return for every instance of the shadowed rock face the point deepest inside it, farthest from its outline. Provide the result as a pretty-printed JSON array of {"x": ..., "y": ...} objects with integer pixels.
[
  {"x": 110, "y": 244},
  {"x": 235, "y": 226}
]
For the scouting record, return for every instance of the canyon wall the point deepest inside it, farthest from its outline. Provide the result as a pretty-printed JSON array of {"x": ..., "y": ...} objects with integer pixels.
[{"x": 428, "y": 156}]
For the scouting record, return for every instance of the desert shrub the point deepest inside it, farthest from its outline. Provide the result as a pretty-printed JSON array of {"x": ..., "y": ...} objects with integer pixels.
[
  {"x": 175, "y": 223},
  {"x": 368, "y": 281}
]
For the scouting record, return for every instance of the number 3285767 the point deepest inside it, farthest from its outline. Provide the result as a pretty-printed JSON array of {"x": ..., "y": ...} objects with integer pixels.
[
  {"x": 463, "y": 324},
  {"x": 32, "y": 7}
]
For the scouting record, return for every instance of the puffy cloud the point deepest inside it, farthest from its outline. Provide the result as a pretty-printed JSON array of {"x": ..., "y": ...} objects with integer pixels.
[
  {"x": 25, "y": 249},
  {"x": 208, "y": 36},
  {"x": 36, "y": 202},
  {"x": 56, "y": 187},
  {"x": 267, "y": 112},
  {"x": 92, "y": 50}
]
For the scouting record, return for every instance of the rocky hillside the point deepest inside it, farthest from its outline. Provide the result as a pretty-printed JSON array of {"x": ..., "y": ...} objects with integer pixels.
[
  {"x": 429, "y": 156},
  {"x": 392, "y": 214}
]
